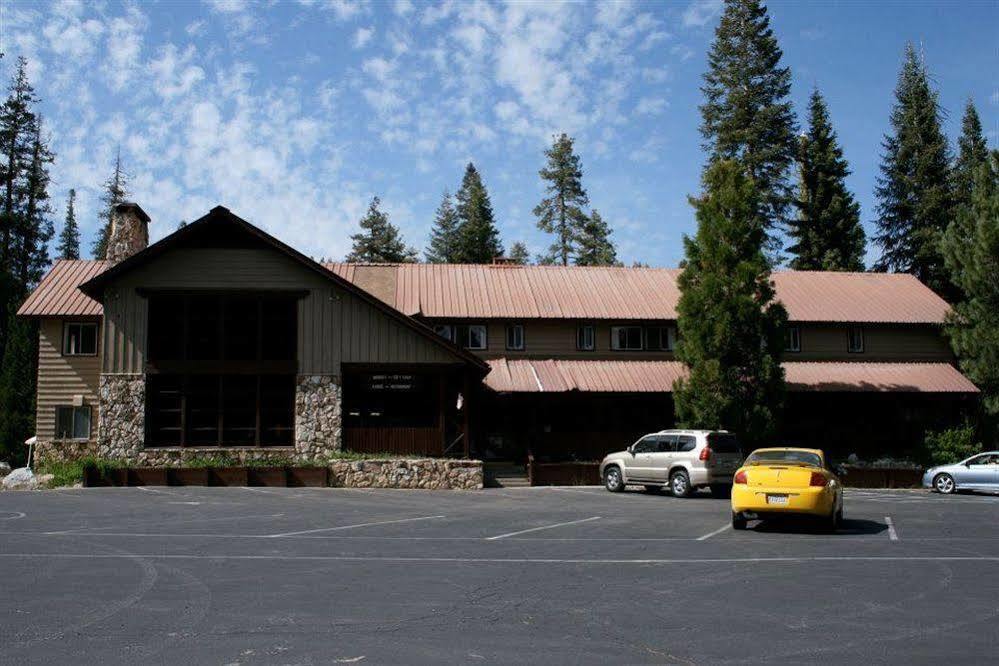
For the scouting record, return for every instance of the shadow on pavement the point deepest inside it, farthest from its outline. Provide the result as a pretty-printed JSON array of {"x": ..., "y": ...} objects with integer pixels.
[{"x": 802, "y": 525}]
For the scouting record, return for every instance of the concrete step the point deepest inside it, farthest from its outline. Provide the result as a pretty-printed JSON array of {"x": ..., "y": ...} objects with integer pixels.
[{"x": 504, "y": 475}]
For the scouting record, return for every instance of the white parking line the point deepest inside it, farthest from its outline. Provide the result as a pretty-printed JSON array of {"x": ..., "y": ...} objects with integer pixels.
[
  {"x": 350, "y": 527},
  {"x": 543, "y": 527},
  {"x": 892, "y": 534},
  {"x": 711, "y": 534},
  {"x": 14, "y": 515}
]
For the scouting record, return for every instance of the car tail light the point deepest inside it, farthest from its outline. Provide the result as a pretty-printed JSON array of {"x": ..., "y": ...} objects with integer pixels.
[
  {"x": 818, "y": 479},
  {"x": 705, "y": 453},
  {"x": 740, "y": 476}
]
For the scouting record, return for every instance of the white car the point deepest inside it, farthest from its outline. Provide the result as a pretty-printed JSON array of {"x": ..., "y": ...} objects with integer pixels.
[{"x": 681, "y": 460}]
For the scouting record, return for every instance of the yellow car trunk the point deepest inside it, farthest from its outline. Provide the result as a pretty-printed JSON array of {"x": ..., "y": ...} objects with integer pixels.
[{"x": 779, "y": 476}]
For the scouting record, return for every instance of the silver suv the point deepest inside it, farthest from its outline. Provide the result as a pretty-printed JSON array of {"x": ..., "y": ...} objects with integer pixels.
[{"x": 682, "y": 460}]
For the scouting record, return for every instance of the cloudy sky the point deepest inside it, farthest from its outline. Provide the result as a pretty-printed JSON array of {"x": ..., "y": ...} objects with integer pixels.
[{"x": 293, "y": 114}]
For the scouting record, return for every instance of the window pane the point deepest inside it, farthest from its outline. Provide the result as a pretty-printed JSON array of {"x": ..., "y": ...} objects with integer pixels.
[
  {"x": 64, "y": 422},
  {"x": 686, "y": 443},
  {"x": 204, "y": 319},
  {"x": 164, "y": 402},
  {"x": 239, "y": 410},
  {"x": 88, "y": 339},
  {"x": 72, "y": 342},
  {"x": 81, "y": 423},
  {"x": 446, "y": 332},
  {"x": 477, "y": 337},
  {"x": 515, "y": 336},
  {"x": 280, "y": 329},
  {"x": 166, "y": 328},
  {"x": 277, "y": 410},
  {"x": 242, "y": 315},
  {"x": 202, "y": 415}
]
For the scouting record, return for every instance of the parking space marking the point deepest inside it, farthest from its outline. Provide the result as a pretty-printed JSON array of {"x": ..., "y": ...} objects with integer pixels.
[
  {"x": 707, "y": 536},
  {"x": 14, "y": 515},
  {"x": 543, "y": 527},
  {"x": 350, "y": 527},
  {"x": 511, "y": 560},
  {"x": 892, "y": 534}
]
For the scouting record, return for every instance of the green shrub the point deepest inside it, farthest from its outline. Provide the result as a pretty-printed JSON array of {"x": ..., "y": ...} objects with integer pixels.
[
  {"x": 215, "y": 460},
  {"x": 952, "y": 445},
  {"x": 68, "y": 473}
]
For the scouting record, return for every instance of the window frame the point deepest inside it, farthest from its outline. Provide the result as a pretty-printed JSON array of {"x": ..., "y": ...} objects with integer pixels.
[
  {"x": 793, "y": 342},
  {"x": 668, "y": 331},
  {"x": 466, "y": 335},
  {"x": 72, "y": 415},
  {"x": 440, "y": 328},
  {"x": 650, "y": 440},
  {"x": 514, "y": 329},
  {"x": 614, "y": 334},
  {"x": 67, "y": 325},
  {"x": 581, "y": 330},
  {"x": 850, "y": 348}
]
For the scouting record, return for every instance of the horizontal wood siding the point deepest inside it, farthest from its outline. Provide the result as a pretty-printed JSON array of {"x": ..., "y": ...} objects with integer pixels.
[
  {"x": 404, "y": 441},
  {"x": 60, "y": 378}
]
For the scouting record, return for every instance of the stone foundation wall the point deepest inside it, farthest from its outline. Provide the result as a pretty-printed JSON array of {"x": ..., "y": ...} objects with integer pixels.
[
  {"x": 423, "y": 473},
  {"x": 121, "y": 427},
  {"x": 318, "y": 417},
  {"x": 60, "y": 451}
]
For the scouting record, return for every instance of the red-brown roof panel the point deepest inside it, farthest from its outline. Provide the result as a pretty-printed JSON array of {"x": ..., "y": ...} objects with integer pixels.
[{"x": 57, "y": 293}]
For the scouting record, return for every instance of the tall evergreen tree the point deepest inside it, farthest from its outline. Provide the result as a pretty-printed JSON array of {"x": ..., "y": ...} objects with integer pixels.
[
  {"x": 594, "y": 246},
  {"x": 972, "y": 153},
  {"x": 380, "y": 240},
  {"x": 478, "y": 237},
  {"x": 747, "y": 114},
  {"x": 971, "y": 251},
  {"x": 34, "y": 225},
  {"x": 17, "y": 385},
  {"x": 69, "y": 237},
  {"x": 827, "y": 232},
  {"x": 915, "y": 200},
  {"x": 443, "y": 247},
  {"x": 561, "y": 211},
  {"x": 731, "y": 327},
  {"x": 115, "y": 192},
  {"x": 519, "y": 254}
]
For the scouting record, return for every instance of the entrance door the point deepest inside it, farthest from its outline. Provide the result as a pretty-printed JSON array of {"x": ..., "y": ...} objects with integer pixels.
[{"x": 393, "y": 412}]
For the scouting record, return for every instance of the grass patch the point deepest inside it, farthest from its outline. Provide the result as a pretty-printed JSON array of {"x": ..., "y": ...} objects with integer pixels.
[{"x": 70, "y": 472}]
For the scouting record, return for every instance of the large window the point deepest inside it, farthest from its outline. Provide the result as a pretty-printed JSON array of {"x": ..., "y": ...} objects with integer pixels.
[
  {"x": 626, "y": 338},
  {"x": 79, "y": 339},
  {"x": 221, "y": 370},
  {"x": 73, "y": 422}
]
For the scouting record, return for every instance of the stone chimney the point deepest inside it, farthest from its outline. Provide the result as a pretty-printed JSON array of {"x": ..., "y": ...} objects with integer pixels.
[{"x": 129, "y": 232}]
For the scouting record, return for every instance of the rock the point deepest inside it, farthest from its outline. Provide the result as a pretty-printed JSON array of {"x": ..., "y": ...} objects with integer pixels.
[
  {"x": 4, "y": 469},
  {"x": 21, "y": 478}
]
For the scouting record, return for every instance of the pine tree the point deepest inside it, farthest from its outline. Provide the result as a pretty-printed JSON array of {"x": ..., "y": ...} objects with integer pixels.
[
  {"x": 19, "y": 126},
  {"x": 971, "y": 251},
  {"x": 594, "y": 246},
  {"x": 747, "y": 114},
  {"x": 478, "y": 237},
  {"x": 115, "y": 192},
  {"x": 915, "y": 201},
  {"x": 379, "y": 242},
  {"x": 443, "y": 247},
  {"x": 34, "y": 227},
  {"x": 827, "y": 231},
  {"x": 972, "y": 153},
  {"x": 731, "y": 328},
  {"x": 17, "y": 385},
  {"x": 519, "y": 254},
  {"x": 561, "y": 212},
  {"x": 69, "y": 237}
]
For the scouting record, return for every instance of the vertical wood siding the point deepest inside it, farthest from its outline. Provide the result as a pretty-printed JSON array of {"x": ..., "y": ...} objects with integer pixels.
[{"x": 60, "y": 378}]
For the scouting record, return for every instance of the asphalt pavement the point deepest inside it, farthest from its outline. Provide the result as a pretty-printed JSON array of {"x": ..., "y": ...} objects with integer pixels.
[{"x": 532, "y": 575}]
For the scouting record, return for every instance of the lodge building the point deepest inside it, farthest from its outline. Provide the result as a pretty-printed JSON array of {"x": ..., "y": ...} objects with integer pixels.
[{"x": 221, "y": 338}]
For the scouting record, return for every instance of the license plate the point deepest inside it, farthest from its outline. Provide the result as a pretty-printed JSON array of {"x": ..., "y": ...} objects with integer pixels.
[{"x": 776, "y": 499}]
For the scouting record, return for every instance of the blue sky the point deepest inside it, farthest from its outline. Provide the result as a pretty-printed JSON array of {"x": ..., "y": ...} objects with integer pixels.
[{"x": 293, "y": 114}]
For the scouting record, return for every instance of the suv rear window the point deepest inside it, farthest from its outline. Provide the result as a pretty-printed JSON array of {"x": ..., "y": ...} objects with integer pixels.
[{"x": 723, "y": 442}]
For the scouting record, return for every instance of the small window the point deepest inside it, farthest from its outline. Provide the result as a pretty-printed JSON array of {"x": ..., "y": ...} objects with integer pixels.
[
  {"x": 661, "y": 338},
  {"x": 667, "y": 444},
  {"x": 626, "y": 338},
  {"x": 473, "y": 336},
  {"x": 586, "y": 339},
  {"x": 79, "y": 339},
  {"x": 855, "y": 344},
  {"x": 446, "y": 331},
  {"x": 515, "y": 337},
  {"x": 73, "y": 422},
  {"x": 647, "y": 444},
  {"x": 792, "y": 341},
  {"x": 686, "y": 443}
]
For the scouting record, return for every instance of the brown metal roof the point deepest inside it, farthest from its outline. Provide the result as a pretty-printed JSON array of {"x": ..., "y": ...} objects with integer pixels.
[
  {"x": 577, "y": 292},
  {"x": 559, "y": 376},
  {"x": 57, "y": 293},
  {"x": 556, "y": 292}
]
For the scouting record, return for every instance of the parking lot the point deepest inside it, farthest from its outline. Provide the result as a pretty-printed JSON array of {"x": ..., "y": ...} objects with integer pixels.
[{"x": 555, "y": 575}]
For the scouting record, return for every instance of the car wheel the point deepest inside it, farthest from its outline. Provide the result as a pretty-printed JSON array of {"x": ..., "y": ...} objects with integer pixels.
[
  {"x": 738, "y": 521},
  {"x": 721, "y": 491},
  {"x": 612, "y": 479},
  {"x": 679, "y": 483},
  {"x": 653, "y": 489},
  {"x": 944, "y": 484}
]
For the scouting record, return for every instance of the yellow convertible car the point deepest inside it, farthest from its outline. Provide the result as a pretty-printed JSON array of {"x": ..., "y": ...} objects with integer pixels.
[{"x": 786, "y": 481}]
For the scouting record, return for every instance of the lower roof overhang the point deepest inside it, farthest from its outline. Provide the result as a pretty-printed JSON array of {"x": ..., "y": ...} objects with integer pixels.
[{"x": 607, "y": 376}]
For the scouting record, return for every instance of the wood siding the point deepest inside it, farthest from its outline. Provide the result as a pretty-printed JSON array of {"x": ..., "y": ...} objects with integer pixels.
[
  {"x": 545, "y": 338},
  {"x": 60, "y": 378},
  {"x": 334, "y": 326}
]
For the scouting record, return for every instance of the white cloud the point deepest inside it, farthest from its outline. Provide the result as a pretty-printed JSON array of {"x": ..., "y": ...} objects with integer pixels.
[
  {"x": 345, "y": 10},
  {"x": 124, "y": 47},
  {"x": 683, "y": 52},
  {"x": 363, "y": 36},
  {"x": 173, "y": 72},
  {"x": 195, "y": 28},
  {"x": 402, "y": 7},
  {"x": 700, "y": 12},
  {"x": 650, "y": 106}
]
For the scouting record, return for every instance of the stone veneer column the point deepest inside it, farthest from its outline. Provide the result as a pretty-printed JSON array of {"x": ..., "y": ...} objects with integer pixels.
[
  {"x": 122, "y": 420},
  {"x": 318, "y": 430}
]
